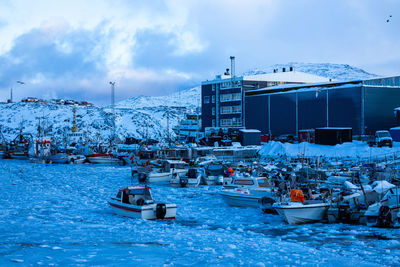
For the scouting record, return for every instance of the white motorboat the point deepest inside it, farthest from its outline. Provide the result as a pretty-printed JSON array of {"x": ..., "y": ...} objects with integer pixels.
[
  {"x": 300, "y": 211},
  {"x": 385, "y": 213},
  {"x": 168, "y": 169},
  {"x": 192, "y": 178},
  {"x": 137, "y": 202},
  {"x": 248, "y": 192}
]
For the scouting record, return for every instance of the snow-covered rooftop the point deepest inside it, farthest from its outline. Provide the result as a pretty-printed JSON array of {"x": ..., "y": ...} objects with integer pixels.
[{"x": 288, "y": 76}]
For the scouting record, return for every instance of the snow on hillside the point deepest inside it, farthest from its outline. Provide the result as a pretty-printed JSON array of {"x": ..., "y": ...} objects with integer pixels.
[
  {"x": 189, "y": 98},
  {"x": 340, "y": 72},
  {"x": 94, "y": 122}
]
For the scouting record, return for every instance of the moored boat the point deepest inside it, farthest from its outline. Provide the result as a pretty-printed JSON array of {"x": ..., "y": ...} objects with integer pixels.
[
  {"x": 137, "y": 202},
  {"x": 103, "y": 158},
  {"x": 300, "y": 211},
  {"x": 248, "y": 192}
]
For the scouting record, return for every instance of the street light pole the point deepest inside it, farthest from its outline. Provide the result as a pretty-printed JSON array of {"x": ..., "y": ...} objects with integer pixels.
[{"x": 11, "y": 93}]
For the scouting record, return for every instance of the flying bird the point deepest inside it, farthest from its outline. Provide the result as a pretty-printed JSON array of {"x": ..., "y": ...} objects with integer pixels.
[
  {"x": 20, "y": 82},
  {"x": 389, "y": 19}
]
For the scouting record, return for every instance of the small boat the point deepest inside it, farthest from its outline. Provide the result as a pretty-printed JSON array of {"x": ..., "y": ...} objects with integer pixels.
[
  {"x": 385, "y": 213},
  {"x": 103, "y": 158},
  {"x": 137, "y": 202},
  {"x": 248, "y": 192},
  {"x": 300, "y": 211},
  {"x": 192, "y": 178}
]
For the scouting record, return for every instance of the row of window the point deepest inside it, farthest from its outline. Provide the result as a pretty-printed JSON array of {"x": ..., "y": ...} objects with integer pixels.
[
  {"x": 231, "y": 109},
  {"x": 223, "y": 98},
  {"x": 230, "y": 97},
  {"x": 225, "y": 85},
  {"x": 231, "y": 122}
]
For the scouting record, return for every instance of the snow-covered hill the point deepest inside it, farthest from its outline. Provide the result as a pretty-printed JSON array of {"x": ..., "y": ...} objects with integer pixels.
[
  {"x": 141, "y": 116},
  {"x": 340, "y": 72}
]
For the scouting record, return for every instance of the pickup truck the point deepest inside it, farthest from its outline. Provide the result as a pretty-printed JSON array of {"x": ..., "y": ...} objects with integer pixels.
[{"x": 381, "y": 138}]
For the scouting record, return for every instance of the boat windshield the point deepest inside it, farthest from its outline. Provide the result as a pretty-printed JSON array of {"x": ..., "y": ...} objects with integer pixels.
[{"x": 244, "y": 182}]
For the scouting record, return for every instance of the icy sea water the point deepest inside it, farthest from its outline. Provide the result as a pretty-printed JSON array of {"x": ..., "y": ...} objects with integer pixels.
[{"x": 58, "y": 215}]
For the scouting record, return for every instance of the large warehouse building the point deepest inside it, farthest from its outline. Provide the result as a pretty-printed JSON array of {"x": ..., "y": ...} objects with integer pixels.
[
  {"x": 363, "y": 105},
  {"x": 288, "y": 101}
]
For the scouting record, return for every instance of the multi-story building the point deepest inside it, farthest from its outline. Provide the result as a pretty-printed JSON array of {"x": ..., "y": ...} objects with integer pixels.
[{"x": 223, "y": 98}]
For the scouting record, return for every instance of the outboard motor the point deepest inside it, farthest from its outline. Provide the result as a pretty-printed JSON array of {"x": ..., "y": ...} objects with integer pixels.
[
  {"x": 266, "y": 205},
  {"x": 192, "y": 173},
  {"x": 161, "y": 211},
  {"x": 142, "y": 177},
  {"x": 183, "y": 181}
]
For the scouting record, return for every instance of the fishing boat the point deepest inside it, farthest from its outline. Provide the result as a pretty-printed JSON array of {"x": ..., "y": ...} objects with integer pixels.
[
  {"x": 192, "y": 178},
  {"x": 137, "y": 202},
  {"x": 248, "y": 192},
  {"x": 300, "y": 211}
]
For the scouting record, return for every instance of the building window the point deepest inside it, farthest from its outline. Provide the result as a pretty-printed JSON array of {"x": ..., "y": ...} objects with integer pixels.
[
  {"x": 236, "y": 109},
  {"x": 206, "y": 99},
  {"x": 236, "y": 96},
  {"x": 226, "y": 122},
  {"x": 225, "y": 97},
  {"x": 213, "y": 87},
  {"x": 213, "y": 99},
  {"x": 236, "y": 122},
  {"x": 213, "y": 123},
  {"x": 226, "y": 110},
  {"x": 213, "y": 111}
]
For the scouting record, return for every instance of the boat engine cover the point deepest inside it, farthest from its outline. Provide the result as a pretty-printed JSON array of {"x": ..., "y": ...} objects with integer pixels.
[
  {"x": 161, "y": 211},
  {"x": 142, "y": 177}
]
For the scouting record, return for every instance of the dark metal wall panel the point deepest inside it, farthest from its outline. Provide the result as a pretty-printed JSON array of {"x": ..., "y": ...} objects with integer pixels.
[
  {"x": 345, "y": 108},
  {"x": 379, "y": 105},
  {"x": 206, "y": 109},
  {"x": 283, "y": 113},
  {"x": 389, "y": 81},
  {"x": 312, "y": 109},
  {"x": 257, "y": 113}
]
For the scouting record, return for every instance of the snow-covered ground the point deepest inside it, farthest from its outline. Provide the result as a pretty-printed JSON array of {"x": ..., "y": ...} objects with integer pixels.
[
  {"x": 355, "y": 149},
  {"x": 58, "y": 215}
]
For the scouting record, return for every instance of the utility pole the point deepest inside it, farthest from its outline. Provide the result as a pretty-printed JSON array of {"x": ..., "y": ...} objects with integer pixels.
[{"x": 113, "y": 109}]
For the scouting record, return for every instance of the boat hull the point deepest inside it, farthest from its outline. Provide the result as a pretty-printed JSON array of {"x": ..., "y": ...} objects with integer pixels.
[
  {"x": 240, "y": 200},
  {"x": 301, "y": 214},
  {"x": 147, "y": 212},
  {"x": 103, "y": 160}
]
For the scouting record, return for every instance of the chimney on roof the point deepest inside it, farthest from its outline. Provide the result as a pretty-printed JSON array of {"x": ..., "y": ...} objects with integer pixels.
[
  {"x": 274, "y": 70},
  {"x": 232, "y": 66},
  {"x": 283, "y": 69},
  {"x": 291, "y": 69}
]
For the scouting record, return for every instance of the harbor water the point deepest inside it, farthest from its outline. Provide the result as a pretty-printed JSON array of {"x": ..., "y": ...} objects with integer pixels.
[{"x": 58, "y": 215}]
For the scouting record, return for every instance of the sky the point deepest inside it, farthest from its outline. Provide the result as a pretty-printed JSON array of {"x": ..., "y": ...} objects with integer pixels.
[{"x": 72, "y": 49}]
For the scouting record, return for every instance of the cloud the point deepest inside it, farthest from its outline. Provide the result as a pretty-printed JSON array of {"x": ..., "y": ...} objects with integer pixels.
[{"x": 72, "y": 49}]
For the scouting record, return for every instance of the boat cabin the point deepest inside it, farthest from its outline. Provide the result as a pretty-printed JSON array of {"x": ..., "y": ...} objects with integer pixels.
[
  {"x": 167, "y": 165},
  {"x": 251, "y": 181},
  {"x": 135, "y": 195}
]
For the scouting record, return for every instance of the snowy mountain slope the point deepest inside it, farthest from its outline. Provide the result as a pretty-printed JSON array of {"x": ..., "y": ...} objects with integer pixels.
[{"x": 342, "y": 72}]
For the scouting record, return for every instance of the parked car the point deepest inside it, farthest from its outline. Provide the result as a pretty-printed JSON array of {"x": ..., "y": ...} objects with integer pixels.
[{"x": 381, "y": 138}]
